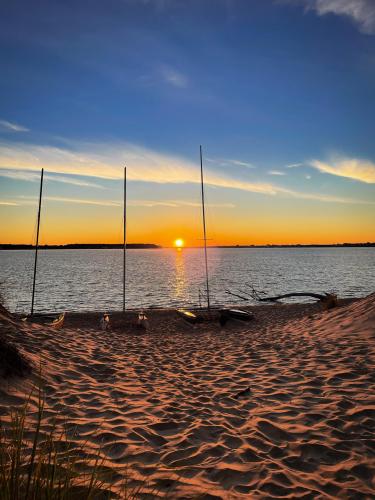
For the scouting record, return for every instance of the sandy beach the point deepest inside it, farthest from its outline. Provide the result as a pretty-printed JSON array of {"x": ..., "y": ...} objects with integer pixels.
[{"x": 282, "y": 407}]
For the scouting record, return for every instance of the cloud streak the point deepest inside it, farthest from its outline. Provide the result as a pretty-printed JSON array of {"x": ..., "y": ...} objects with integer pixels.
[
  {"x": 174, "y": 77},
  {"x": 361, "y": 12},
  {"x": 330, "y": 199},
  {"x": 144, "y": 165},
  {"x": 276, "y": 172},
  {"x": 240, "y": 163},
  {"x": 175, "y": 204},
  {"x": 12, "y": 127},
  {"x": 230, "y": 162},
  {"x": 351, "y": 168},
  {"x": 294, "y": 165},
  {"x": 102, "y": 203},
  {"x": 106, "y": 161},
  {"x": 31, "y": 200},
  {"x": 31, "y": 176},
  {"x": 8, "y": 204}
]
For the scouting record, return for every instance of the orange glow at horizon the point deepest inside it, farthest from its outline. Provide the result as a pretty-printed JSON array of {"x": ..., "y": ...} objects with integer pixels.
[{"x": 275, "y": 223}]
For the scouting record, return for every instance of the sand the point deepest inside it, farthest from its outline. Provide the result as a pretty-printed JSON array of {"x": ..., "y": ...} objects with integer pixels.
[{"x": 283, "y": 407}]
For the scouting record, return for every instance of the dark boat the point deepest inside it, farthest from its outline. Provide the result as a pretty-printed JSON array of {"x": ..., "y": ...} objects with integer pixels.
[
  {"x": 238, "y": 314},
  {"x": 50, "y": 320},
  {"x": 188, "y": 316}
]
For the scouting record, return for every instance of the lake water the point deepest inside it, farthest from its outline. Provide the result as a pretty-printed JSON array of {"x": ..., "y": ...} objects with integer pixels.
[{"x": 91, "y": 280}]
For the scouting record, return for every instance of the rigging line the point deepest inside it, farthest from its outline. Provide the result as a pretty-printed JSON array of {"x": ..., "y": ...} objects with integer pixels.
[
  {"x": 26, "y": 267},
  {"x": 124, "y": 262},
  {"x": 204, "y": 230},
  {"x": 115, "y": 264},
  {"x": 37, "y": 240}
]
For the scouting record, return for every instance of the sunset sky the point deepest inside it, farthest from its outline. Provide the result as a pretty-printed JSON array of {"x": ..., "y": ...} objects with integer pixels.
[{"x": 280, "y": 93}]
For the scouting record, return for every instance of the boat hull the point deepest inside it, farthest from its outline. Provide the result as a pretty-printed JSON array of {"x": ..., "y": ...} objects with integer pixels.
[
  {"x": 188, "y": 316},
  {"x": 236, "y": 314}
]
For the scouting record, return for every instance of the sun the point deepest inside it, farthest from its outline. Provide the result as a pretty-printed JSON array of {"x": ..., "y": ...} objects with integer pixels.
[{"x": 179, "y": 243}]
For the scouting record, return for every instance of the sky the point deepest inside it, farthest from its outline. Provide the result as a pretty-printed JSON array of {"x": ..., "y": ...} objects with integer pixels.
[{"x": 279, "y": 93}]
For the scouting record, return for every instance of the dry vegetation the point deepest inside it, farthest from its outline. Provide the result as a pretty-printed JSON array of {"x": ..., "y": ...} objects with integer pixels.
[{"x": 38, "y": 460}]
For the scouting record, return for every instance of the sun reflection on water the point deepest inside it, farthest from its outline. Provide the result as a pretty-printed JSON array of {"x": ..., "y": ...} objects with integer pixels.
[{"x": 180, "y": 283}]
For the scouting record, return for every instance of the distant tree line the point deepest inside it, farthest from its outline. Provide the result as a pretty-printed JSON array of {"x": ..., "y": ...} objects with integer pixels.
[
  {"x": 9, "y": 246},
  {"x": 315, "y": 245},
  {"x": 74, "y": 246}
]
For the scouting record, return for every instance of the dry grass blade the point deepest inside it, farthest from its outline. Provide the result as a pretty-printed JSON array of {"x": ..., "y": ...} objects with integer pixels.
[{"x": 51, "y": 466}]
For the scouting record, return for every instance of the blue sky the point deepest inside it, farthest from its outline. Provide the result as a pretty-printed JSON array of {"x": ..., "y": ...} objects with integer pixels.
[{"x": 280, "y": 94}]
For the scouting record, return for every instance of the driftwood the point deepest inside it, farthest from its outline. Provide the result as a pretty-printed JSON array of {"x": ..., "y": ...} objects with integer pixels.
[
  {"x": 295, "y": 294},
  {"x": 329, "y": 300}
]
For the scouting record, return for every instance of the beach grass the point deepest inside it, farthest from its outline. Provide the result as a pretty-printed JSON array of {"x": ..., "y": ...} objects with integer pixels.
[{"x": 35, "y": 464}]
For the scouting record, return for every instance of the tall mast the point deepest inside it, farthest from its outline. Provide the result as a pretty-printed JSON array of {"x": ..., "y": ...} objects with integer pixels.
[
  {"x": 37, "y": 241},
  {"x": 204, "y": 231},
  {"x": 124, "y": 255}
]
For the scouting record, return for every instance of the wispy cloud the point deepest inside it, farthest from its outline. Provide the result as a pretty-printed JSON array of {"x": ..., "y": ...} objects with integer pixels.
[
  {"x": 276, "y": 172},
  {"x": 352, "y": 168},
  {"x": 12, "y": 127},
  {"x": 241, "y": 163},
  {"x": 35, "y": 177},
  {"x": 144, "y": 165},
  {"x": 20, "y": 175},
  {"x": 361, "y": 12},
  {"x": 79, "y": 201},
  {"x": 174, "y": 77},
  {"x": 224, "y": 162},
  {"x": 329, "y": 198},
  {"x": 107, "y": 160},
  {"x": 152, "y": 203},
  {"x": 294, "y": 165},
  {"x": 31, "y": 200},
  {"x": 74, "y": 182},
  {"x": 176, "y": 204},
  {"x": 8, "y": 203}
]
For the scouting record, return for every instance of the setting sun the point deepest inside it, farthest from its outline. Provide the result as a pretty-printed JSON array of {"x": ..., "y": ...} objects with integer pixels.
[{"x": 179, "y": 243}]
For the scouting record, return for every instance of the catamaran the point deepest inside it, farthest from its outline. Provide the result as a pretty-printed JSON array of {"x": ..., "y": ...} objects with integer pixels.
[
  {"x": 190, "y": 316},
  {"x": 47, "y": 319}
]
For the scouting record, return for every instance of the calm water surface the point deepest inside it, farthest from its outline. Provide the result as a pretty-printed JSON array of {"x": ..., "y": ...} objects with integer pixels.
[{"x": 88, "y": 280}]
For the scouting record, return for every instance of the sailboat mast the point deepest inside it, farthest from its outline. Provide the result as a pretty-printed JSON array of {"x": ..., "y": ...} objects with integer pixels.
[
  {"x": 204, "y": 231},
  {"x": 37, "y": 240},
  {"x": 124, "y": 253}
]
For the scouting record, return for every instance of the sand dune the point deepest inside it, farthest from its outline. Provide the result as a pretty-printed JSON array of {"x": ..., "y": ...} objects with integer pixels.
[{"x": 280, "y": 408}]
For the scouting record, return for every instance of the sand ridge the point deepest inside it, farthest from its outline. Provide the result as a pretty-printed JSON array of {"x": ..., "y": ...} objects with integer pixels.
[{"x": 281, "y": 408}]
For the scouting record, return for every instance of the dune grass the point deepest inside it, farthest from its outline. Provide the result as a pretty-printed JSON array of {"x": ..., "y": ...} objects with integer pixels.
[{"x": 39, "y": 461}]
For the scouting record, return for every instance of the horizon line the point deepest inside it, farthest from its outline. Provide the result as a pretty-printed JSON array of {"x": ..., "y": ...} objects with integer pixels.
[{"x": 156, "y": 245}]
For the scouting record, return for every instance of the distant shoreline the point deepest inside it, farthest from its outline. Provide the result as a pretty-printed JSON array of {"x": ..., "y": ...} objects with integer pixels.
[
  {"x": 142, "y": 246},
  {"x": 297, "y": 245},
  {"x": 81, "y": 246}
]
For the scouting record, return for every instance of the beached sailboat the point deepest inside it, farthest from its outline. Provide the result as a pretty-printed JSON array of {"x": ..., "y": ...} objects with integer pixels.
[
  {"x": 236, "y": 314},
  {"x": 192, "y": 316},
  {"x": 225, "y": 314},
  {"x": 189, "y": 316},
  {"x": 53, "y": 320},
  {"x": 204, "y": 231}
]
